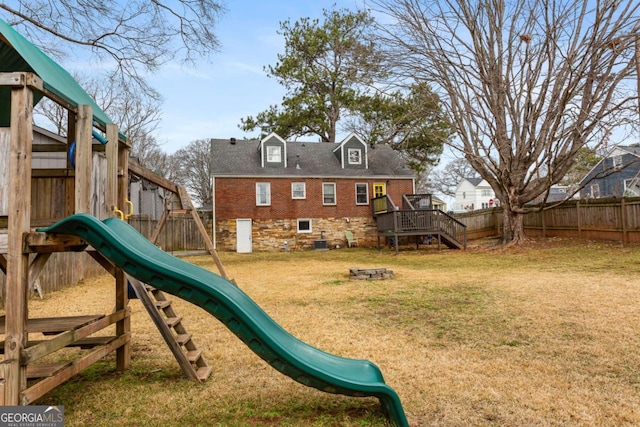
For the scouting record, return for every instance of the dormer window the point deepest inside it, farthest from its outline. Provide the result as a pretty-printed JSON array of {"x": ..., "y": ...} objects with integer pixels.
[
  {"x": 352, "y": 153},
  {"x": 274, "y": 154},
  {"x": 354, "y": 156}
]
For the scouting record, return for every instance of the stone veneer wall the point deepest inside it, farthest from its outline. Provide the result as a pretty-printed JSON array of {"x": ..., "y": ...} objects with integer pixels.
[{"x": 271, "y": 234}]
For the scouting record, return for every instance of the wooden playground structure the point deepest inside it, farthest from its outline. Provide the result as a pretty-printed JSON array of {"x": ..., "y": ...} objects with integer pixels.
[
  {"x": 85, "y": 192},
  {"x": 24, "y": 251}
]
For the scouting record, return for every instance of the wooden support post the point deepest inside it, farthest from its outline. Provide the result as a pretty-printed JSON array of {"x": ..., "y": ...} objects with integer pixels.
[
  {"x": 36, "y": 267},
  {"x": 17, "y": 282},
  {"x": 159, "y": 227},
  {"x": 123, "y": 327},
  {"x": 83, "y": 159},
  {"x": 69, "y": 185},
  {"x": 111, "y": 198},
  {"x": 186, "y": 203}
]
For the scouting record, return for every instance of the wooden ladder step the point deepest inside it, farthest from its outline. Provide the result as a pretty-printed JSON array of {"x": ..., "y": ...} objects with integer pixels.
[
  {"x": 172, "y": 330},
  {"x": 162, "y": 304},
  {"x": 203, "y": 373},
  {"x": 173, "y": 321},
  {"x": 182, "y": 339},
  {"x": 194, "y": 355}
]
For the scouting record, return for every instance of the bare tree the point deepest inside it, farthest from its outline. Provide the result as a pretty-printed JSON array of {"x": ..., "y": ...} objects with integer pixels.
[
  {"x": 193, "y": 170},
  {"x": 136, "y": 36},
  {"x": 525, "y": 83},
  {"x": 137, "y": 114},
  {"x": 446, "y": 180}
]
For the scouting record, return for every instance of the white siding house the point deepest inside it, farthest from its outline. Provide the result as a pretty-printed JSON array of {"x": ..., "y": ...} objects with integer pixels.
[{"x": 473, "y": 194}]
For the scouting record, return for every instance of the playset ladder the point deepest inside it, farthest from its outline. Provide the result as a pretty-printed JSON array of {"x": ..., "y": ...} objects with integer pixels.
[{"x": 169, "y": 323}]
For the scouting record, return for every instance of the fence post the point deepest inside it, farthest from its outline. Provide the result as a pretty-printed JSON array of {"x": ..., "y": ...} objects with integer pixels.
[
  {"x": 623, "y": 218},
  {"x": 578, "y": 219}
]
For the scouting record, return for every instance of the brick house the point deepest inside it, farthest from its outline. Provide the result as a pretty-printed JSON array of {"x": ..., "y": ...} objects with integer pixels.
[{"x": 273, "y": 194}]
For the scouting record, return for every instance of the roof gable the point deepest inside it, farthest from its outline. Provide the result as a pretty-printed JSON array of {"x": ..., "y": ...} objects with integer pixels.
[
  {"x": 352, "y": 152},
  {"x": 273, "y": 151}
]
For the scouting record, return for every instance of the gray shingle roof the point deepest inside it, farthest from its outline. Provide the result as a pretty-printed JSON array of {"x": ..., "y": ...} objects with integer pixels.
[
  {"x": 474, "y": 181},
  {"x": 309, "y": 159}
]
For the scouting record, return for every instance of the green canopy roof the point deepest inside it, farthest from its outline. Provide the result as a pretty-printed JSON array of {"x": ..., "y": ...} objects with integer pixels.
[{"x": 17, "y": 54}]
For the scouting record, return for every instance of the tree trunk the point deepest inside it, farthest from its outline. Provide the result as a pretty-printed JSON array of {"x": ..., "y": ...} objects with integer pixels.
[{"x": 513, "y": 227}]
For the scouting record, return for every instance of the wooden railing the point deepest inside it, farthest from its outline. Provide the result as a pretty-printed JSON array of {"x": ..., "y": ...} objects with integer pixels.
[
  {"x": 422, "y": 222},
  {"x": 382, "y": 204}
]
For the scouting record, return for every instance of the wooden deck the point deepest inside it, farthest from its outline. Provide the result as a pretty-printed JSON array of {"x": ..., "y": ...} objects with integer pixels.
[{"x": 422, "y": 222}]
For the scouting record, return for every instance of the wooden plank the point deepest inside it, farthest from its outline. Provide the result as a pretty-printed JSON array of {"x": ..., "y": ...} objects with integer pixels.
[
  {"x": 83, "y": 343},
  {"x": 21, "y": 79},
  {"x": 42, "y": 387},
  {"x": 111, "y": 197},
  {"x": 17, "y": 281},
  {"x": 83, "y": 165},
  {"x": 5, "y": 376},
  {"x": 123, "y": 327},
  {"x": 185, "y": 200},
  {"x": 55, "y": 324},
  {"x": 67, "y": 338},
  {"x": 69, "y": 191},
  {"x": 37, "y": 242},
  {"x": 62, "y": 148},
  {"x": 138, "y": 170},
  {"x": 45, "y": 369},
  {"x": 105, "y": 263},
  {"x": 35, "y": 269},
  {"x": 5, "y": 136},
  {"x": 159, "y": 226}
]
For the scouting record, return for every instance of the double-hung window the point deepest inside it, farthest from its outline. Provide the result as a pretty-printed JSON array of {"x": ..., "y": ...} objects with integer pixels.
[
  {"x": 263, "y": 194},
  {"x": 274, "y": 154},
  {"x": 355, "y": 156},
  {"x": 362, "y": 194},
  {"x": 328, "y": 193},
  {"x": 298, "y": 190}
]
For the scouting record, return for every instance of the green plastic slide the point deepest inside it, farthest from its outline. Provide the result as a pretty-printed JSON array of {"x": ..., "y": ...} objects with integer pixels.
[{"x": 129, "y": 250}]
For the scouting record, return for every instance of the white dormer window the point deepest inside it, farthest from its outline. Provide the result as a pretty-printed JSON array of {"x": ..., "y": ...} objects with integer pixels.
[
  {"x": 354, "y": 156},
  {"x": 274, "y": 154},
  {"x": 617, "y": 162}
]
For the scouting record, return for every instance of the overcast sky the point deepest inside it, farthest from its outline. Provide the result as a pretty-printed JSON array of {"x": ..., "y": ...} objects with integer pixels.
[{"x": 208, "y": 101}]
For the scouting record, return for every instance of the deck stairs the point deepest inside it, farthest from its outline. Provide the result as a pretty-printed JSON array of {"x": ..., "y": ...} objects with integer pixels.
[
  {"x": 417, "y": 218},
  {"x": 169, "y": 323}
]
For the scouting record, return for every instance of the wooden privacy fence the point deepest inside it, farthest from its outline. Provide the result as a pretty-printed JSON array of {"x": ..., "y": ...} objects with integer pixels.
[
  {"x": 600, "y": 219},
  {"x": 180, "y": 232}
]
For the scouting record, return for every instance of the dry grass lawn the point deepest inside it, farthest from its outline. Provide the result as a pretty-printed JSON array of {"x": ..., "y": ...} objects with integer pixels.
[{"x": 545, "y": 335}]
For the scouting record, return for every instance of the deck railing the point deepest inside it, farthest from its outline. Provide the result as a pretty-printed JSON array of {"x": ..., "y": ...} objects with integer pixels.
[
  {"x": 382, "y": 204},
  {"x": 422, "y": 221}
]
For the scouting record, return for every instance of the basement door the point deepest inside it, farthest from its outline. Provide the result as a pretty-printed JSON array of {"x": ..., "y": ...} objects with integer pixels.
[{"x": 243, "y": 236}]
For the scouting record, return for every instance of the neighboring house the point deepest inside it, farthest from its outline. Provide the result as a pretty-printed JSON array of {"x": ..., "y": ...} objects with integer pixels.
[
  {"x": 557, "y": 193},
  {"x": 473, "y": 194},
  {"x": 437, "y": 203},
  {"x": 616, "y": 175},
  {"x": 277, "y": 195}
]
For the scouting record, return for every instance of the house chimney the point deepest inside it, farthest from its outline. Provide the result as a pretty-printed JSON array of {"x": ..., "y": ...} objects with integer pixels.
[{"x": 232, "y": 141}]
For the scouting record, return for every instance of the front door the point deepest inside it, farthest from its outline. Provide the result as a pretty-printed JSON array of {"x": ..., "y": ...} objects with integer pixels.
[{"x": 243, "y": 236}]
